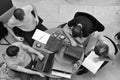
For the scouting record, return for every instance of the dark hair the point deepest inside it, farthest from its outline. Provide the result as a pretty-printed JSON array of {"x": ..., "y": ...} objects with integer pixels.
[
  {"x": 19, "y": 14},
  {"x": 77, "y": 31},
  {"x": 97, "y": 26},
  {"x": 117, "y": 36},
  {"x": 12, "y": 51},
  {"x": 87, "y": 25},
  {"x": 103, "y": 53}
]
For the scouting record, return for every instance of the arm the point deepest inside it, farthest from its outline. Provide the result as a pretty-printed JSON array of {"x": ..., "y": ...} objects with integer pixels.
[
  {"x": 12, "y": 33},
  {"x": 35, "y": 12},
  {"x": 32, "y": 50},
  {"x": 25, "y": 70},
  {"x": 66, "y": 31}
]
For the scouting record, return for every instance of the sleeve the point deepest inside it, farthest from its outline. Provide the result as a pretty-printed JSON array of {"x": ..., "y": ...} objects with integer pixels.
[
  {"x": 27, "y": 9},
  {"x": 12, "y": 65},
  {"x": 11, "y": 23},
  {"x": 72, "y": 22}
]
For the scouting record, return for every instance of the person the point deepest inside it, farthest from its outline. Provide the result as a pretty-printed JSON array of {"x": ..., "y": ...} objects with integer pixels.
[
  {"x": 81, "y": 27},
  {"x": 24, "y": 22},
  {"x": 79, "y": 30},
  {"x": 18, "y": 59},
  {"x": 117, "y": 39},
  {"x": 102, "y": 49}
]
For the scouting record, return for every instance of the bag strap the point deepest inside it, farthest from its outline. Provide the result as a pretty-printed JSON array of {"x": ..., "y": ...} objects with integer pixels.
[{"x": 116, "y": 49}]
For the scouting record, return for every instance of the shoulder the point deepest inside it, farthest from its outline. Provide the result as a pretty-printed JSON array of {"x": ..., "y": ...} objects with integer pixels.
[
  {"x": 66, "y": 28},
  {"x": 27, "y": 8},
  {"x": 12, "y": 22},
  {"x": 19, "y": 44},
  {"x": 10, "y": 63}
]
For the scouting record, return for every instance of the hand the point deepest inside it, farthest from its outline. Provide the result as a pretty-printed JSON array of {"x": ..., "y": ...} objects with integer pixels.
[
  {"x": 20, "y": 38},
  {"x": 96, "y": 59},
  {"x": 73, "y": 43},
  {"x": 40, "y": 56},
  {"x": 76, "y": 66},
  {"x": 40, "y": 74}
]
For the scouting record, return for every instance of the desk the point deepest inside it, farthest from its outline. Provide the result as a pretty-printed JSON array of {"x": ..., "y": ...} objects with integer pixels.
[{"x": 59, "y": 56}]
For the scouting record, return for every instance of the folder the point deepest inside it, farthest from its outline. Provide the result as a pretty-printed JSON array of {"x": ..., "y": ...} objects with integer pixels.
[
  {"x": 90, "y": 64},
  {"x": 41, "y": 36}
]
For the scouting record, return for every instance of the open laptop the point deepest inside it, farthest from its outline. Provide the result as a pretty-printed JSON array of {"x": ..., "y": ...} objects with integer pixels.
[
  {"x": 46, "y": 64},
  {"x": 62, "y": 69}
]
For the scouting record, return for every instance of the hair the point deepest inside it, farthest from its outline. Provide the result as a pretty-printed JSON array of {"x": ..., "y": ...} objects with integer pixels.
[
  {"x": 12, "y": 51},
  {"x": 87, "y": 25},
  {"x": 77, "y": 31},
  {"x": 19, "y": 14},
  {"x": 97, "y": 26},
  {"x": 102, "y": 50},
  {"x": 117, "y": 36}
]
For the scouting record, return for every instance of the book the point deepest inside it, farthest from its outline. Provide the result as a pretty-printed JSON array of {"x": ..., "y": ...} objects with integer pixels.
[
  {"x": 90, "y": 63},
  {"x": 41, "y": 36}
]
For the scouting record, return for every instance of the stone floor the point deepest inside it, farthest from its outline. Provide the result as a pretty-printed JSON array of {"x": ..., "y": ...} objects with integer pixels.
[{"x": 55, "y": 12}]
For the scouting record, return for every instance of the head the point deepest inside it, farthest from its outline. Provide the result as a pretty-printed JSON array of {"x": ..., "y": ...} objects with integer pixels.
[
  {"x": 19, "y": 14},
  {"x": 87, "y": 25},
  {"x": 12, "y": 51},
  {"x": 102, "y": 49},
  {"x": 77, "y": 31}
]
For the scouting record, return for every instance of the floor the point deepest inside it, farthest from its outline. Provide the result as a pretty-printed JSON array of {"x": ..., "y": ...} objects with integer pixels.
[{"x": 55, "y": 12}]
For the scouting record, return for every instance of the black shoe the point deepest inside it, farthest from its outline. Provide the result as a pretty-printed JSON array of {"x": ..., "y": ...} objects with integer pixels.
[{"x": 83, "y": 71}]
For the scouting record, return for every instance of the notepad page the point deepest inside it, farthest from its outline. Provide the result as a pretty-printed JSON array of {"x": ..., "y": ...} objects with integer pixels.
[
  {"x": 90, "y": 64},
  {"x": 41, "y": 36}
]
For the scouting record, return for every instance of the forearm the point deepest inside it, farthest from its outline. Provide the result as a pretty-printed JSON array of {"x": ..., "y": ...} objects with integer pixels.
[
  {"x": 11, "y": 32},
  {"x": 25, "y": 70},
  {"x": 32, "y": 50},
  {"x": 68, "y": 35},
  {"x": 35, "y": 11}
]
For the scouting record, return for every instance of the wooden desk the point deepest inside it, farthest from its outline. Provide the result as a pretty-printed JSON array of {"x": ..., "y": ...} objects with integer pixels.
[{"x": 59, "y": 56}]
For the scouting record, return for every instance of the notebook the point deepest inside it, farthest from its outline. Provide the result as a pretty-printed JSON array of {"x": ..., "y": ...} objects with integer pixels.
[
  {"x": 90, "y": 64},
  {"x": 41, "y": 36}
]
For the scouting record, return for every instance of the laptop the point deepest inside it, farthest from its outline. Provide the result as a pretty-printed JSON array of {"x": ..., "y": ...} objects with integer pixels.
[
  {"x": 62, "y": 69},
  {"x": 46, "y": 64}
]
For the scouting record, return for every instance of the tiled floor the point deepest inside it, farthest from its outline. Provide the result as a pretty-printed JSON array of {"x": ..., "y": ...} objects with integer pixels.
[{"x": 55, "y": 12}]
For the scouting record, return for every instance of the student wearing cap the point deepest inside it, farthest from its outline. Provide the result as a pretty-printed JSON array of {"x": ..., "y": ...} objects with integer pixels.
[{"x": 81, "y": 27}]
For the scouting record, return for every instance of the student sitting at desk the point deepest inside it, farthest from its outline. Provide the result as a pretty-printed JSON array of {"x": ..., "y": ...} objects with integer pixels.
[
  {"x": 18, "y": 58},
  {"x": 102, "y": 50},
  {"x": 24, "y": 22},
  {"x": 81, "y": 27}
]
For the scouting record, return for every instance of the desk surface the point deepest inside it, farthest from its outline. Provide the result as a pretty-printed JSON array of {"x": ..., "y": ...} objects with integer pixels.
[{"x": 59, "y": 55}]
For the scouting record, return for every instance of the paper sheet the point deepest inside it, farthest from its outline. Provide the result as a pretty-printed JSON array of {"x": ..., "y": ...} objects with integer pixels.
[
  {"x": 90, "y": 64},
  {"x": 41, "y": 36},
  {"x": 61, "y": 74}
]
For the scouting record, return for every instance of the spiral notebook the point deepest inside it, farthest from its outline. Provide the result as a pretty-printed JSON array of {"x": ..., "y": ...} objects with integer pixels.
[{"x": 90, "y": 64}]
